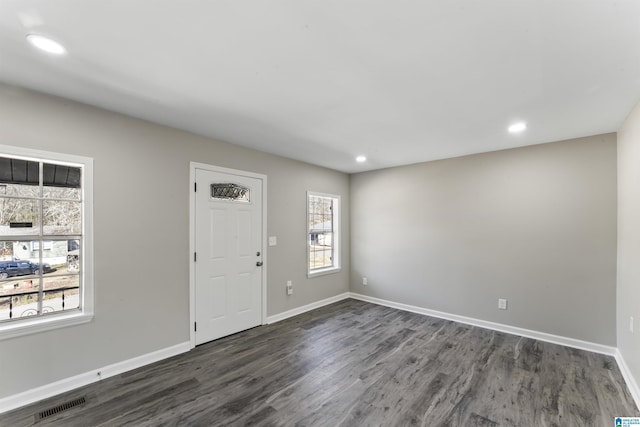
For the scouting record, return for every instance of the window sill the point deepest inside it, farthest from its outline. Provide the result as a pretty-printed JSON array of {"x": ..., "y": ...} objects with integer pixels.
[
  {"x": 323, "y": 271},
  {"x": 42, "y": 324}
]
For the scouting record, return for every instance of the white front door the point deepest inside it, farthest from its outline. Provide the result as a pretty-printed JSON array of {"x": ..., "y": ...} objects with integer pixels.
[{"x": 228, "y": 259}]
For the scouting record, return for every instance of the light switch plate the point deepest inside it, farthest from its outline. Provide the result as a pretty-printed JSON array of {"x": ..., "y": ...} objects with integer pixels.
[{"x": 273, "y": 240}]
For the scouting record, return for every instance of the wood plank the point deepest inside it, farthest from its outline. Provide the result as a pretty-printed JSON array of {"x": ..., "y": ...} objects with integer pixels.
[{"x": 357, "y": 364}]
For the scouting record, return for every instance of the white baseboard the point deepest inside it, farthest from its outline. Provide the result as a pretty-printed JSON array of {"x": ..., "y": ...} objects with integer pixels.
[
  {"x": 299, "y": 310},
  {"x": 542, "y": 336},
  {"x": 632, "y": 384},
  {"x": 628, "y": 377},
  {"x": 49, "y": 390},
  {"x": 67, "y": 384}
]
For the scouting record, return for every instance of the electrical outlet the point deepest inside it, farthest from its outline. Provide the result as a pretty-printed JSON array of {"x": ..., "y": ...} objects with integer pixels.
[
  {"x": 631, "y": 324},
  {"x": 364, "y": 281},
  {"x": 289, "y": 287},
  {"x": 502, "y": 303}
]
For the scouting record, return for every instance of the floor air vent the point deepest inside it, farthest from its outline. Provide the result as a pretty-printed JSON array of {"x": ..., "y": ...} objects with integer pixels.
[{"x": 60, "y": 408}]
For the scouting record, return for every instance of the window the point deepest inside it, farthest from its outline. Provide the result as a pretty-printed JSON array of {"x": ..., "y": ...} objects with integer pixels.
[
  {"x": 229, "y": 191},
  {"x": 45, "y": 241},
  {"x": 46, "y": 245},
  {"x": 323, "y": 227}
]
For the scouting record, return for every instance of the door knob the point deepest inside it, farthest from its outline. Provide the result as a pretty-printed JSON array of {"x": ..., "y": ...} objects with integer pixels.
[{"x": 259, "y": 263}]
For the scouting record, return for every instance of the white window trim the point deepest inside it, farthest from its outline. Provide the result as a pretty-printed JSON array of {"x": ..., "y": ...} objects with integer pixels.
[
  {"x": 73, "y": 317},
  {"x": 336, "y": 268}
]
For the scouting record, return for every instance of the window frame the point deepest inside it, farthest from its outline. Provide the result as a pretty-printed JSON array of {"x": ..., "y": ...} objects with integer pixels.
[
  {"x": 335, "y": 240},
  {"x": 33, "y": 324}
]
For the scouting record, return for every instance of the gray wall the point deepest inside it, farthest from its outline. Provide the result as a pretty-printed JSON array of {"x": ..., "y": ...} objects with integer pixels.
[
  {"x": 141, "y": 212},
  {"x": 535, "y": 225},
  {"x": 628, "y": 291}
]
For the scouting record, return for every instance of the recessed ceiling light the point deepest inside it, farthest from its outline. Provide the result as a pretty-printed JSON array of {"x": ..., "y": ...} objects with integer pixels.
[
  {"x": 517, "y": 127},
  {"x": 46, "y": 44},
  {"x": 361, "y": 159}
]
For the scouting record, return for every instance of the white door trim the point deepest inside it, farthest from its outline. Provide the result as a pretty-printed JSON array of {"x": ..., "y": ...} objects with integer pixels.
[{"x": 192, "y": 242}]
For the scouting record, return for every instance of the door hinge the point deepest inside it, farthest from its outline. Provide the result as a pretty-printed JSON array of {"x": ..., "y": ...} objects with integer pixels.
[
  {"x": 195, "y": 326},
  {"x": 195, "y": 187},
  {"x": 195, "y": 256}
]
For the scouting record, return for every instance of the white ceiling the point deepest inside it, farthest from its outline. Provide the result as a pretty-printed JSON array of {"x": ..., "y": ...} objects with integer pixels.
[{"x": 400, "y": 81}]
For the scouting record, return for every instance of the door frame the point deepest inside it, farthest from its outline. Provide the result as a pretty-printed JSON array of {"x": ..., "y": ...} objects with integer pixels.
[{"x": 192, "y": 241}]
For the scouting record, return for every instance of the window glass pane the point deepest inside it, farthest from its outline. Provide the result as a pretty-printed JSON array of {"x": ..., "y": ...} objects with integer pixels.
[
  {"x": 22, "y": 251},
  {"x": 61, "y": 217},
  {"x": 19, "y": 217},
  {"x": 316, "y": 220},
  {"x": 17, "y": 267},
  {"x": 19, "y": 190},
  {"x": 61, "y": 193},
  {"x": 230, "y": 191},
  {"x": 58, "y": 256},
  {"x": 60, "y": 176},
  {"x": 6, "y": 251},
  {"x": 18, "y": 297},
  {"x": 61, "y": 182},
  {"x": 322, "y": 229},
  {"x": 16, "y": 171},
  {"x": 320, "y": 257},
  {"x": 61, "y": 293},
  {"x": 72, "y": 264},
  {"x": 40, "y": 273},
  {"x": 325, "y": 239},
  {"x": 19, "y": 259}
]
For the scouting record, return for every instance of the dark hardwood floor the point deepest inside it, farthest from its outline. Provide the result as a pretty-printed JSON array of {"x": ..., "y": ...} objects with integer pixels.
[{"x": 357, "y": 364}]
